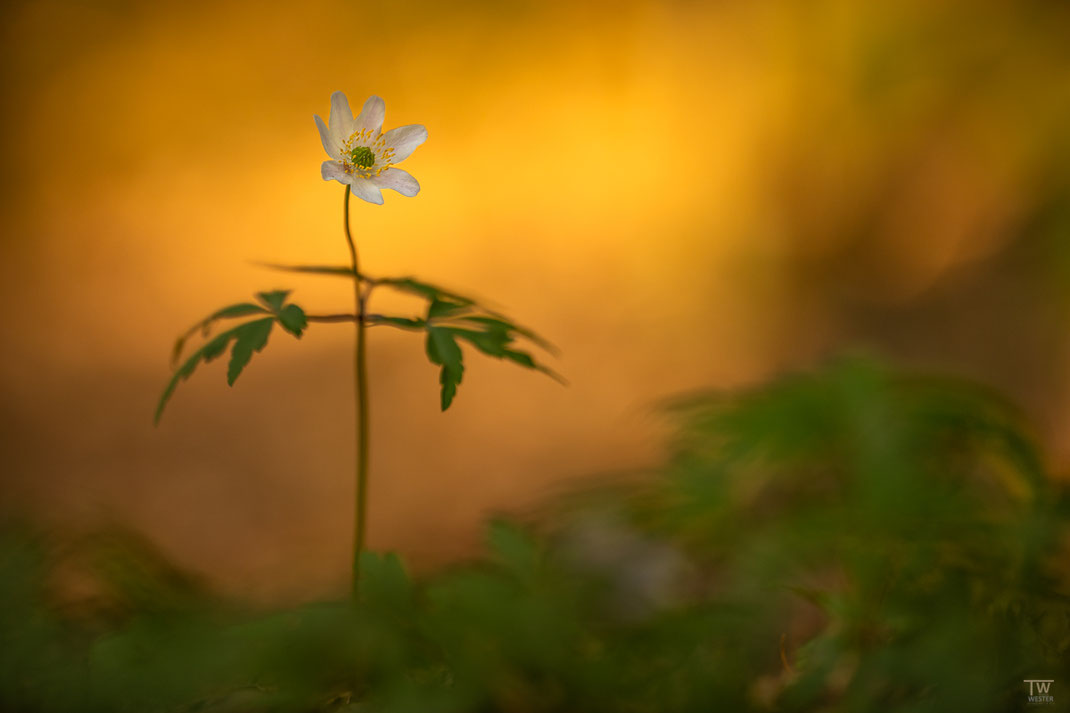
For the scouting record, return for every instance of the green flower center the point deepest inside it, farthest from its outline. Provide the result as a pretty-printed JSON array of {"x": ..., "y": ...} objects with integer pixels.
[{"x": 362, "y": 157}]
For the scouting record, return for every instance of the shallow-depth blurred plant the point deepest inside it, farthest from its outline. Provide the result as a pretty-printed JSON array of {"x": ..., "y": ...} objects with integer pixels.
[
  {"x": 852, "y": 540},
  {"x": 363, "y": 158}
]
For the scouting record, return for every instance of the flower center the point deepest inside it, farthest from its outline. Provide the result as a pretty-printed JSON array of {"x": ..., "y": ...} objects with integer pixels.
[
  {"x": 366, "y": 153},
  {"x": 362, "y": 157}
]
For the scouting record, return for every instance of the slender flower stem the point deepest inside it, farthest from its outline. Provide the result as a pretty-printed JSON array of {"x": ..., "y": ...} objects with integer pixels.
[{"x": 360, "y": 369}]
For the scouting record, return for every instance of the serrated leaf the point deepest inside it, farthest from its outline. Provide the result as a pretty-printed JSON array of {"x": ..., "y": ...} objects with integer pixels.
[
  {"x": 242, "y": 309},
  {"x": 423, "y": 289},
  {"x": 442, "y": 349},
  {"x": 551, "y": 373},
  {"x": 249, "y": 337},
  {"x": 402, "y": 322},
  {"x": 443, "y": 308},
  {"x": 519, "y": 357},
  {"x": 176, "y": 351},
  {"x": 206, "y": 353},
  {"x": 492, "y": 342},
  {"x": 499, "y": 321},
  {"x": 218, "y": 345},
  {"x": 239, "y": 310},
  {"x": 496, "y": 344},
  {"x": 274, "y": 299},
  {"x": 293, "y": 320},
  {"x": 491, "y": 323}
]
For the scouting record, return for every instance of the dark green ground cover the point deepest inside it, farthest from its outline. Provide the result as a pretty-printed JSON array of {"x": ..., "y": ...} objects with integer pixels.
[{"x": 853, "y": 539}]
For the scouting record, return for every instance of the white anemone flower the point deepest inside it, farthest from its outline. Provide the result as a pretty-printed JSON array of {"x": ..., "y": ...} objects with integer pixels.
[{"x": 362, "y": 156}]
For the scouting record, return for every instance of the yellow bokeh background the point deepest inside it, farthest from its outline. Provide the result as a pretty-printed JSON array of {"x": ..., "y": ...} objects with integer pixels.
[{"x": 680, "y": 195}]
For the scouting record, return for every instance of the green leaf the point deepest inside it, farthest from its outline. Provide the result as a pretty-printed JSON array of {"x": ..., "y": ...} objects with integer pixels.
[
  {"x": 542, "y": 368},
  {"x": 401, "y": 322},
  {"x": 218, "y": 345},
  {"x": 384, "y": 583},
  {"x": 293, "y": 320},
  {"x": 403, "y": 284},
  {"x": 496, "y": 344},
  {"x": 491, "y": 323},
  {"x": 442, "y": 349},
  {"x": 492, "y": 343},
  {"x": 250, "y": 337},
  {"x": 521, "y": 358},
  {"x": 206, "y": 353},
  {"x": 514, "y": 548},
  {"x": 443, "y": 308},
  {"x": 236, "y": 310},
  {"x": 273, "y": 299},
  {"x": 340, "y": 270},
  {"x": 176, "y": 351},
  {"x": 423, "y": 289},
  {"x": 500, "y": 322}
]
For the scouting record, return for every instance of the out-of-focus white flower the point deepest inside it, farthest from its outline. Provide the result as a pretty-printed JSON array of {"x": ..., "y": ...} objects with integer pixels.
[
  {"x": 361, "y": 155},
  {"x": 645, "y": 575}
]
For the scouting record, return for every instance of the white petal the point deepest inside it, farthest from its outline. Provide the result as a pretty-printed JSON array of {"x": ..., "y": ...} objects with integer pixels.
[
  {"x": 398, "y": 180},
  {"x": 371, "y": 116},
  {"x": 404, "y": 140},
  {"x": 340, "y": 125},
  {"x": 335, "y": 171},
  {"x": 364, "y": 189},
  {"x": 329, "y": 145}
]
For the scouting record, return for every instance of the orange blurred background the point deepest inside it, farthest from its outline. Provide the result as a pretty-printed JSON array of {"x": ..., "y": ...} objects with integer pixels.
[{"x": 681, "y": 195}]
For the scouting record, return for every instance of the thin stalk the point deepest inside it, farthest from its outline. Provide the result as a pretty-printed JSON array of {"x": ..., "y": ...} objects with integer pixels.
[{"x": 360, "y": 380}]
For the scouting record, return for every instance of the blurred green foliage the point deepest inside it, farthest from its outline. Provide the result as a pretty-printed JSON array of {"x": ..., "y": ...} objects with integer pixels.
[{"x": 853, "y": 539}]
